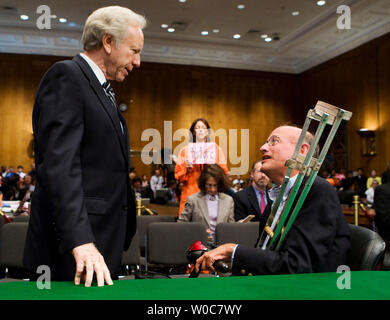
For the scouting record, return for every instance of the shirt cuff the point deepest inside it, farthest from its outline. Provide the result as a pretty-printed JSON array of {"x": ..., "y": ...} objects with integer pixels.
[{"x": 234, "y": 251}]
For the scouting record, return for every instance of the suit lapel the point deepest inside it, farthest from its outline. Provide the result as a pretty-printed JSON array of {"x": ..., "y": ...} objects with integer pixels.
[
  {"x": 107, "y": 105},
  {"x": 253, "y": 201},
  {"x": 221, "y": 208},
  {"x": 204, "y": 209}
]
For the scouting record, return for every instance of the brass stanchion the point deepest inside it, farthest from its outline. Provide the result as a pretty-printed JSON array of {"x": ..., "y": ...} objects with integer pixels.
[
  {"x": 140, "y": 207},
  {"x": 356, "y": 203}
]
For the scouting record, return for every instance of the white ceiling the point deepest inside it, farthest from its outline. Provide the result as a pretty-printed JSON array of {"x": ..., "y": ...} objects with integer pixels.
[{"x": 305, "y": 41}]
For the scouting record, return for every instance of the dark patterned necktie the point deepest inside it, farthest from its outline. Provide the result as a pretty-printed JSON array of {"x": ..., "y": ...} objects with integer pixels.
[
  {"x": 111, "y": 95},
  {"x": 109, "y": 92}
]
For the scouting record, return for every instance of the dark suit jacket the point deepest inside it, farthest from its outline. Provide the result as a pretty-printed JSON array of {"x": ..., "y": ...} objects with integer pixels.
[
  {"x": 382, "y": 209},
  {"x": 245, "y": 203},
  {"x": 82, "y": 157},
  {"x": 318, "y": 241}
]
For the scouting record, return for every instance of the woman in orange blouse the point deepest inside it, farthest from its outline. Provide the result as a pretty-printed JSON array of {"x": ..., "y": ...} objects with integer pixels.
[{"x": 188, "y": 172}]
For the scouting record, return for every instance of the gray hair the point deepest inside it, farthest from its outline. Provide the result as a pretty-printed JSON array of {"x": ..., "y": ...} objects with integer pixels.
[{"x": 113, "y": 20}]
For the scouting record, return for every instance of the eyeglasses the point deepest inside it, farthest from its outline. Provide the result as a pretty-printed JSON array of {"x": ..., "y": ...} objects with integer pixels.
[{"x": 272, "y": 141}]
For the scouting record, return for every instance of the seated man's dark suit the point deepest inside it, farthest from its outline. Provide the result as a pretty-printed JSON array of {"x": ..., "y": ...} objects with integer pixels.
[
  {"x": 318, "y": 241},
  {"x": 382, "y": 210},
  {"x": 246, "y": 202},
  {"x": 83, "y": 189}
]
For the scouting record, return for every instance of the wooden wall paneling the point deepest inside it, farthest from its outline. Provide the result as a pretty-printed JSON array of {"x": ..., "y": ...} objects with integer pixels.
[
  {"x": 383, "y": 139},
  {"x": 350, "y": 82}
]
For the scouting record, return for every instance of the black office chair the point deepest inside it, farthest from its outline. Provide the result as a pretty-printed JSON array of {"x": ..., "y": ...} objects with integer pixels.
[
  {"x": 167, "y": 244},
  {"x": 131, "y": 257},
  {"x": 21, "y": 219},
  {"x": 12, "y": 240},
  {"x": 240, "y": 233},
  {"x": 142, "y": 226},
  {"x": 367, "y": 249}
]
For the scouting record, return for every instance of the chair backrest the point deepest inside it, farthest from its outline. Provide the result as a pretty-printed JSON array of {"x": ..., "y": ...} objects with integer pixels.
[
  {"x": 131, "y": 256},
  {"x": 12, "y": 240},
  {"x": 2, "y": 222},
  {"x": 21, "y": 219},
  {"x": 142, "y": 226},
  {"x": 245, "y": 233},
  {"x": 167, "y": 242},
  {"x": 367, "y": 249}
]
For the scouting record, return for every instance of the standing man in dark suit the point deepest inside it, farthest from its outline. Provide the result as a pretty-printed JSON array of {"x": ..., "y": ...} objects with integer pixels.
[
  {"x": 254, "y": 199},
  {"x": 83, "y": 208},
  {"x": 319, "y": 238}
]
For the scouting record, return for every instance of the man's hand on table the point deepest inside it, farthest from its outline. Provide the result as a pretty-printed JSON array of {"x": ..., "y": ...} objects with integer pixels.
[
  {"x": 223, "y": 252},
  {"x": 89, "y": 260}
]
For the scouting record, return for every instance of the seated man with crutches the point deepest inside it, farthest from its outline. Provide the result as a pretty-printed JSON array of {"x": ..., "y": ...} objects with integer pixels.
[{"x": 306, "y": 230}]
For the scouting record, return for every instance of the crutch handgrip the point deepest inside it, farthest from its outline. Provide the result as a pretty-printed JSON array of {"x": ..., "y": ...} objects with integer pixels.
[{"x": 269, "y": 231}]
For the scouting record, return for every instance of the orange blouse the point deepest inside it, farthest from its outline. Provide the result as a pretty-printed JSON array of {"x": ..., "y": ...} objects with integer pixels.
[{"x": 190, "y": 178}]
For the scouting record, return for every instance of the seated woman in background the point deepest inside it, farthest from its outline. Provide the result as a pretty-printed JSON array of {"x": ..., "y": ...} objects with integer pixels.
[
  {"x": 188, "y": 172},
  {"x": 210, "y": 206},
  {"x": 373, "y": 177}
]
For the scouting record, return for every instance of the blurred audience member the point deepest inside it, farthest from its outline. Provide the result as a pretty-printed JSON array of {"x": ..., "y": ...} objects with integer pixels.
[
  {"x": 168, "y": 164},
  {"x": 3, "y": 171},
  {"x": 237, "y": 187},
  {"x": 370, "y": 193},
  {"x": 382, "y": 211},
  {"x": 179, "y": 189},
  {"x": 361, "y": 180},
  {"x": 156, "y": 182},
  {"x": 230, "y": 189},
  {"x": 145, "y": 181},
  {"x": 25, "y": 186},
  {"x": 20, "y": 171},
  {"x": 137, "y": 187},
  {"x": 172, "y": 186},
  {"x": 238, "y": 180},
  {"x": 373, "y": 177},
  {"x": 132, "y": 174},
  {"x": 10, "y": 172},
  {"x": 349, "y": 189},
  {"x": 33, "y": 172}
]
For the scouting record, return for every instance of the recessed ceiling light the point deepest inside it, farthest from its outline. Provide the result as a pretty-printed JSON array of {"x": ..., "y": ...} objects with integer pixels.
[
  {"x": 171, "y": 29},
  {"x": 295, "y": 13},
  {"x": 237, "y": 36},
  {"x": 264, "y": 36},
  {"x": 215, "y": 30},
  {"x": 241, "y": 6},
  {"x": 321, "y": 3},
  {"x": 24, "y": 17},
  {"x": 182, "y": 1},
  {"x": 63, "y": 20},
  {"x": 164, "y": 25},
  {"x": 204, "y": 33},
  {"x": 268, "y": 39}
]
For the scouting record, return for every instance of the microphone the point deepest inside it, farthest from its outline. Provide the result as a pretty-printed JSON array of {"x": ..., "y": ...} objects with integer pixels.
[{"x": 196, "y": 250}]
